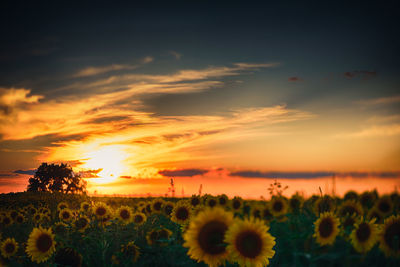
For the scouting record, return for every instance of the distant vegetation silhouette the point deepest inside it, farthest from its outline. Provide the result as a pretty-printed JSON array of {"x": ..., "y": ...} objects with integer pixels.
[{"x": 56, "y": 178}]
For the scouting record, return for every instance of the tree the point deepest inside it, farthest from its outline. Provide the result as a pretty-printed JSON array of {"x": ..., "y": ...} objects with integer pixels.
[{"x": 56, "y": 178}]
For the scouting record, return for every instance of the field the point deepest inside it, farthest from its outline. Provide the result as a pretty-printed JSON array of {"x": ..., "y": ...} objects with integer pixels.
[{"x": 51, "y": 229}]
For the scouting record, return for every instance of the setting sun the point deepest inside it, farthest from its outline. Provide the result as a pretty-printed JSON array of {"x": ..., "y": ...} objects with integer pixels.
[{"x": 109, "y": 160}]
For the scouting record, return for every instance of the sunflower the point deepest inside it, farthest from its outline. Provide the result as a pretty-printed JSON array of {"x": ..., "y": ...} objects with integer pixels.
[
  {"x": 82, "y": 223},
  {"x": 296, "y": 203},
  {"x": 205, "y": 236},
  {"x": 367, "y": 199},
  {"x": 351, "y": 195},
  {"x": 9, "y": 248},
  {"x": 384, "y": 205},
  {"x": 139, "y": 218},
  {"x": 37, "y": 217},
  {"x": 31, "y": 210},
  {"x": 157, "y": 205},
  {"x": 256, "y": 211},
  {"x": 195, "y": 200},
  {"x": 148, "y": 208},
  {"x": 124, "y": 214},
  {"x": 131, "y": 250},
  {"x": 347, "y": 223},
  {"x": 266, "y": 213},
  {"x": 222, "y": 200},
  {"x": 13, "y": 214},
  {"x": 236, "y": 203},
  {"x": 364, "y": 235},
  {"x": 7, "y": 220},
  {"x": 85, "y": 206},
  {"x": 181, "y": 212},
  {"x": 374, "y": 213},
  {"x": 278, "y": 206},
  {"x": 62, "y": 205},
  {"x": 40, "y": 244},
  {"x": 101, "y": 210},
  {"x": 168, "y": 207},
  {"x": 249, "y": 243},
  {"x": 65, "y": 215},
  {"x": 390, "y": 236},
  {"x": 20, "y": 218},
  {"x": 326, "y": 228},
  {"x": 350, "y": 207},
  {"x": 211, "y": 201},
  {"x": 60, "y": 228},
  {"x": 68, "y": 257},
  {"x": 323, "y": 204},
  {"x": 152, "y": 237}
]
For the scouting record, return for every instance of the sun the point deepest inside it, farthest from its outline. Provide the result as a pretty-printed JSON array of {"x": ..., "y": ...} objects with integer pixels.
[{"x": 109, "y": 160}]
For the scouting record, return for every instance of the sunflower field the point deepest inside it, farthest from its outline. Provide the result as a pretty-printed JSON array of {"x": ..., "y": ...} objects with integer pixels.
[{"x": 50, "y": 229}]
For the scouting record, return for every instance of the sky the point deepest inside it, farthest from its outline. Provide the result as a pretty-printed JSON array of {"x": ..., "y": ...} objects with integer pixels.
[{"x": 226, "y": 97}]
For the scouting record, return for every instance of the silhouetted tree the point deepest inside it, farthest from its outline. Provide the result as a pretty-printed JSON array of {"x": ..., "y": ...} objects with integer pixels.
[{"x": 56, "y": 178}]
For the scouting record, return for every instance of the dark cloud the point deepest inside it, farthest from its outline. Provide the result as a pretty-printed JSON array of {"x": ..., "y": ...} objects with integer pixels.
[
  {"x": 30, "y": 172},
  {"x": 8, "y": 175},
  {"x": 312, "y": 175},
  {"x": 295, "y": 79},
  {"x": 126, "y": 177},
  {"x": 90, "y": 173},
  {"x": 107, "y": 119},
  {"x": 183, "y": 172},
  {"x": 365, "y": 74}
]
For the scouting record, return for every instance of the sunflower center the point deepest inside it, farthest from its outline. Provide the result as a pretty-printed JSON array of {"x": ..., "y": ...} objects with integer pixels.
[
  {"x": 65, "y": 215},
  {"x": 20, "y": 219},
  {"x": 392, "y": 235},
  {"x": 86, "y": 207},
  {"x": 168, "y": 209},
  {"x": 182, "y": 213},
  {"x": 222, "y": 201},
  {"x": 236, "y": 204},
  {"x": 163, "y": 234},
  {"x": 212, "y": 203},
  {"x": 101, "y": 211},
  {"x": 124, "y": 214},
  {"x": 363, "y": 232},
  {"x": 195, "y": 201},
  {"x": 81, "y": 223},
  {"x": 325, "y": 228},
  {"x": 157, "y": 206},
  {"x": 384, "y": 207},
  {"x": 249, "y": 244},
  {"x": 44, "y": 243},
  {"x": 278, "y": 206},
  {"x": 6, "y": 220},
  {"x": 9, "y": 248},
  {"x": 211, "y": 237},
  {"x": 138, "y": 219}
]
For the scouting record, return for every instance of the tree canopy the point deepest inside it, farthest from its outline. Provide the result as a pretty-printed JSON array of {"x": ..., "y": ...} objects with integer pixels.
[{"x": 56, "y": 178}]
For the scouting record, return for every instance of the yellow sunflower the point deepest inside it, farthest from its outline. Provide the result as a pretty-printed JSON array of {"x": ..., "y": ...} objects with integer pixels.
[
  {"x": 131, "y": 250},
  {"x": 350, "y": 207},
  {"x": 40, "y": 244},
  {"x": 13, "y": 214},
  {"x": 65, "y": 215},
  {"x": 236, "y": 203},
  {"x": 152, "y": 237},
  {"x": 390, "y": 236},
  {"x": 157, "y": 205},
  {"x": 37, "y": 217},
  {"x": 266, "y": 213},
  {"x": 85, "y": 206},
  {"x": 139, "y": 218},
  {"x": 222, "y": 200},
  {"x": 374, "y": 213},
  {"x": 60, "y": 228},
  {"x": 20, "y": 218},
  {"x": 367, "y": 199},
  {"x": 205, "y": 236},
  {"x": 384, "y": 205},
  {"x": 124, "y": 214},
  {"x": 323, "y": 204},
  {"x": 9, "y": 248},
  {"x": 7, "y": 220},
  {"x": 296, "y": 203},
  {"x": 256, "y": 211},
  {"x": 364, "y": 235},
  {"x": 249, "y": 243},
  {"x": 82, "y": 223},
  {"x": 278, "y": 206},
  {"x": 101, "y": 210},
  {"x": 181, "y": 212},
  {"x": 195, "y": 200},
  {"x": 211, "y": 201},
  {"x": 168, "y": 207},
  {"x": 62, "y": 205},
  {"x": 326, "y": 228}
]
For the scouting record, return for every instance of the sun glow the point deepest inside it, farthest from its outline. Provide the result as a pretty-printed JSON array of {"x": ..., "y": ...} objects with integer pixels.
[{"x": 110, "y": 160}]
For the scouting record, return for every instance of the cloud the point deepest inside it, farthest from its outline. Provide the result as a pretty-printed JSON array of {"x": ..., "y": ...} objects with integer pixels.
[
  {"x": 147, "y": 60},
  {"x": 376, "y": 131},
  {"x": 365, "y": 74},
  {"x": 175, "y": 54},
  {"x": 90, "y": 173},
  {"x": 183, "y": 172},
  {"x": 312, "y": 175},
  {"x": 30, "y": 172},
  {"x": 380, "y": 101},
  {"x": 91, "y": 71},
  {"x": 295, "y": 79}
]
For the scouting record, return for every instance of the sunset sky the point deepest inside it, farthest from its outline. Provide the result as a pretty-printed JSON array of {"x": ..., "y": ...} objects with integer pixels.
[{"x": 229, "y": 97}]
